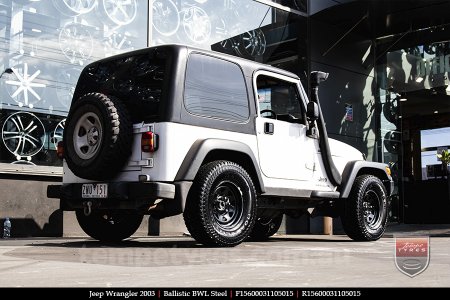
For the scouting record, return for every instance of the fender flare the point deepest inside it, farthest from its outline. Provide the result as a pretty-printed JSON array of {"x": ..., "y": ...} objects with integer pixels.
[
  {"x": 353, "y": 168},
  {"x": 201, "y": 148}
]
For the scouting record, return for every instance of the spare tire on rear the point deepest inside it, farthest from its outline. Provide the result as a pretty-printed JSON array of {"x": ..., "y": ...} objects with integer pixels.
[{"x": 97, "y": 137}]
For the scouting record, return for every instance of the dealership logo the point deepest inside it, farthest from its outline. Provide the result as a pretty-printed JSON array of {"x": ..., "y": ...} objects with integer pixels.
[{"x": 412, "y": 254}]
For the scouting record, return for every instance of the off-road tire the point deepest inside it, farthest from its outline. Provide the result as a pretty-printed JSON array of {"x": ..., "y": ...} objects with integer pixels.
[
  {"x": 264, "y": 228},
  {"x": 364, "y": 215},
  {"x": 109, "y": 225},
  {"x": 114, "y": 131},
  {"x": 221, "y": 205}
]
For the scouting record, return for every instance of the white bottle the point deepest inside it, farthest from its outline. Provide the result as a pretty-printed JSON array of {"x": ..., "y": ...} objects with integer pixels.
[{"x": 7, "y": 229}]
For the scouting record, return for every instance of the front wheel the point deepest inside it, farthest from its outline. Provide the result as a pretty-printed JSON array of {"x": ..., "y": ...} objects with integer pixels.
[
  {"x": 365, "y": 211},
  {"x": 109, "y": 225},
  {"x": 221, "y": 206}
]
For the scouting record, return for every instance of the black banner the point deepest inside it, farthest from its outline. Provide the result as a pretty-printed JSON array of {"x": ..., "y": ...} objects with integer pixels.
[{"x": 216, "y": 293}]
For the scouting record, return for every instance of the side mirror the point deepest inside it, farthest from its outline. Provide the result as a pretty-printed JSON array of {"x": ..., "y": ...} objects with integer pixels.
[{"x": 312, "y": 111}]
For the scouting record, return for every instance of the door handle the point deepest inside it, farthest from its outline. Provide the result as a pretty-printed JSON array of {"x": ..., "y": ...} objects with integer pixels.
[{"x": 269, "y": 128}]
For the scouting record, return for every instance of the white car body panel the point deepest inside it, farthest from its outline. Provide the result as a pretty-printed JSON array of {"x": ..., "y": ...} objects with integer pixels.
[
  {"x": 286, "y": 159},
  {"x": 175, "y": 140}
]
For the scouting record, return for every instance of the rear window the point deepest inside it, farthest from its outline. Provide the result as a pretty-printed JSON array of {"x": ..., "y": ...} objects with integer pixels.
[
  {"x": 215, "y": 88},
  {"x": 136, "y": 80}
]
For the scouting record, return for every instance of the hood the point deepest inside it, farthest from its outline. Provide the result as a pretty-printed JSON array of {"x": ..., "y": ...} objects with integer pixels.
[{"x": 340, "y": 149}]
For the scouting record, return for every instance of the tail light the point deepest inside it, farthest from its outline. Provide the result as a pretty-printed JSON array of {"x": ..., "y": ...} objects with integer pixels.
[
  {"x": 60, "y": 150},
  {"x": 149, "y": 142}
]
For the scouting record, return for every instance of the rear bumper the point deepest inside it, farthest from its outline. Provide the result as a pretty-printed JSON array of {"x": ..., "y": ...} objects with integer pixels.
[{"x": 121, "y": 195}]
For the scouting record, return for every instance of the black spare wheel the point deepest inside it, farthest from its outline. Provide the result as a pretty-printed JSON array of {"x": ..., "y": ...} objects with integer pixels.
[{"x": 98, "y": 135}]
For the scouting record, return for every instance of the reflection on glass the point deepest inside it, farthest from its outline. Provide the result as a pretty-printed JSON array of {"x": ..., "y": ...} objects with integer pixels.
[
  {"x": 197, "y": 24},
  {"x": 203, "y": 23},
  {"x": 74, "y": 7},
  {"x": 23, "y": 88},
  {"x": 166, "y": 17},
  {"x": 23, "y": 134},
  {"x": 120, "y": 12},
  {"x": 47, "y": 44},
  {"x": 254, "y": 42},
  {"x": 57, "y": 135},
  {"x": 433, "y": 142},
  {"x": 76, "y": 43}
]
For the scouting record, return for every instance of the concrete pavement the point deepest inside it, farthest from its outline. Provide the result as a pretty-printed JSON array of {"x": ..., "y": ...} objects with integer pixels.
[{"x": 283, "y": 261}]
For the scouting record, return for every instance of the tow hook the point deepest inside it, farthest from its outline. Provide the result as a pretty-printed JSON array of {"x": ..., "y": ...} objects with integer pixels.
[{"x": 87, "y": 208}]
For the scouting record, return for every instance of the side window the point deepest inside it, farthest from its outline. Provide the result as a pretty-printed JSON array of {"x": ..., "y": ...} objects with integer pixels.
[
  {"x": 279, "y": 99},
  {"x": 215, "y": 88}
]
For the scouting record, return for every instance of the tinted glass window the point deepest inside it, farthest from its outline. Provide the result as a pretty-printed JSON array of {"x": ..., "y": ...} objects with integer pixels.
[
  {"x": 215, "y": 88},
  {"x": 279, "y": 99}
]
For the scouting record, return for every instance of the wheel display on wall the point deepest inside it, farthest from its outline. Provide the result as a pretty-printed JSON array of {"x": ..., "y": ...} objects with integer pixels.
[
  {"x": 76, "y": 43},
  {"x": 67, "y": 80},
  {"x": 390, "y": 110},
  {"x": 23, "y": 134},
  {"x": 117, "y": 43},
  {"x": 74, "y": 7},
  {"x": 23, "y": 86},
  {"x": 254, "y": 42},
  {"x": 57, "y": 134},
  {"x": 232, "y": 45},
  {"x": 221, "y": 29},
  {"x": 392, "y": 141},
  {"x": 119, "y": 12},
  {"x": 233, "y": 5},
  {"x": 166, "y": 17},
  {"x": 430, "y": 49},
  {"x": 197, "y": 24}
]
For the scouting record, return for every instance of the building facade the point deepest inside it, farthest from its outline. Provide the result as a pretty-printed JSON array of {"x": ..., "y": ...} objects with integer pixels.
[{"x": 378, "y": 54}]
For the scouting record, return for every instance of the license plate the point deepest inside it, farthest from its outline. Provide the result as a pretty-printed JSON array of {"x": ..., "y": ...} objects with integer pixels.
[{"x": 99, "y": 190}]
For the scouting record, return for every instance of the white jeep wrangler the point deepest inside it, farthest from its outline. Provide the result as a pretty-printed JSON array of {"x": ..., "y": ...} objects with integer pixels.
[{"x": 230, "y": 143}]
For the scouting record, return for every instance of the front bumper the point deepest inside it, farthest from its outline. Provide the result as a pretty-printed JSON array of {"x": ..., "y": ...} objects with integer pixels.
[{"x": 121, "y": 195}]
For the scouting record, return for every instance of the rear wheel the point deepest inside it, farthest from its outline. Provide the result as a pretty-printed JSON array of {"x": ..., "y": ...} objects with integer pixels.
[
  {"x": 365, "y": 211},
  {"x": 109, "y": 225},
  {"x": 221, "y": 206},
  {"x": 266, "y": 227}
]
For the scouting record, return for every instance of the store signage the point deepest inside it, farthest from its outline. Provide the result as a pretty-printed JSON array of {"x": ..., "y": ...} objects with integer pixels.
[{"x": 433, "y": 66}]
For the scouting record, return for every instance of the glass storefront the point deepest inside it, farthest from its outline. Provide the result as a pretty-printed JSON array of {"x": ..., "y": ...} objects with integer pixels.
[
  {"x": 387, "y": 94},
  {"x": 44, "y": 45},
  {"x": 202, "y": 23},
  {"x": 415, "y": 90},
  {"x": 251, "y": 29}
]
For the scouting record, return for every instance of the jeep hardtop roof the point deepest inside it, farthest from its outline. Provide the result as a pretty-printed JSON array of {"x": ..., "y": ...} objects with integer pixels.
[
  {"x": 157, "y": 96},
  {"x": 178, "y": 50}
]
